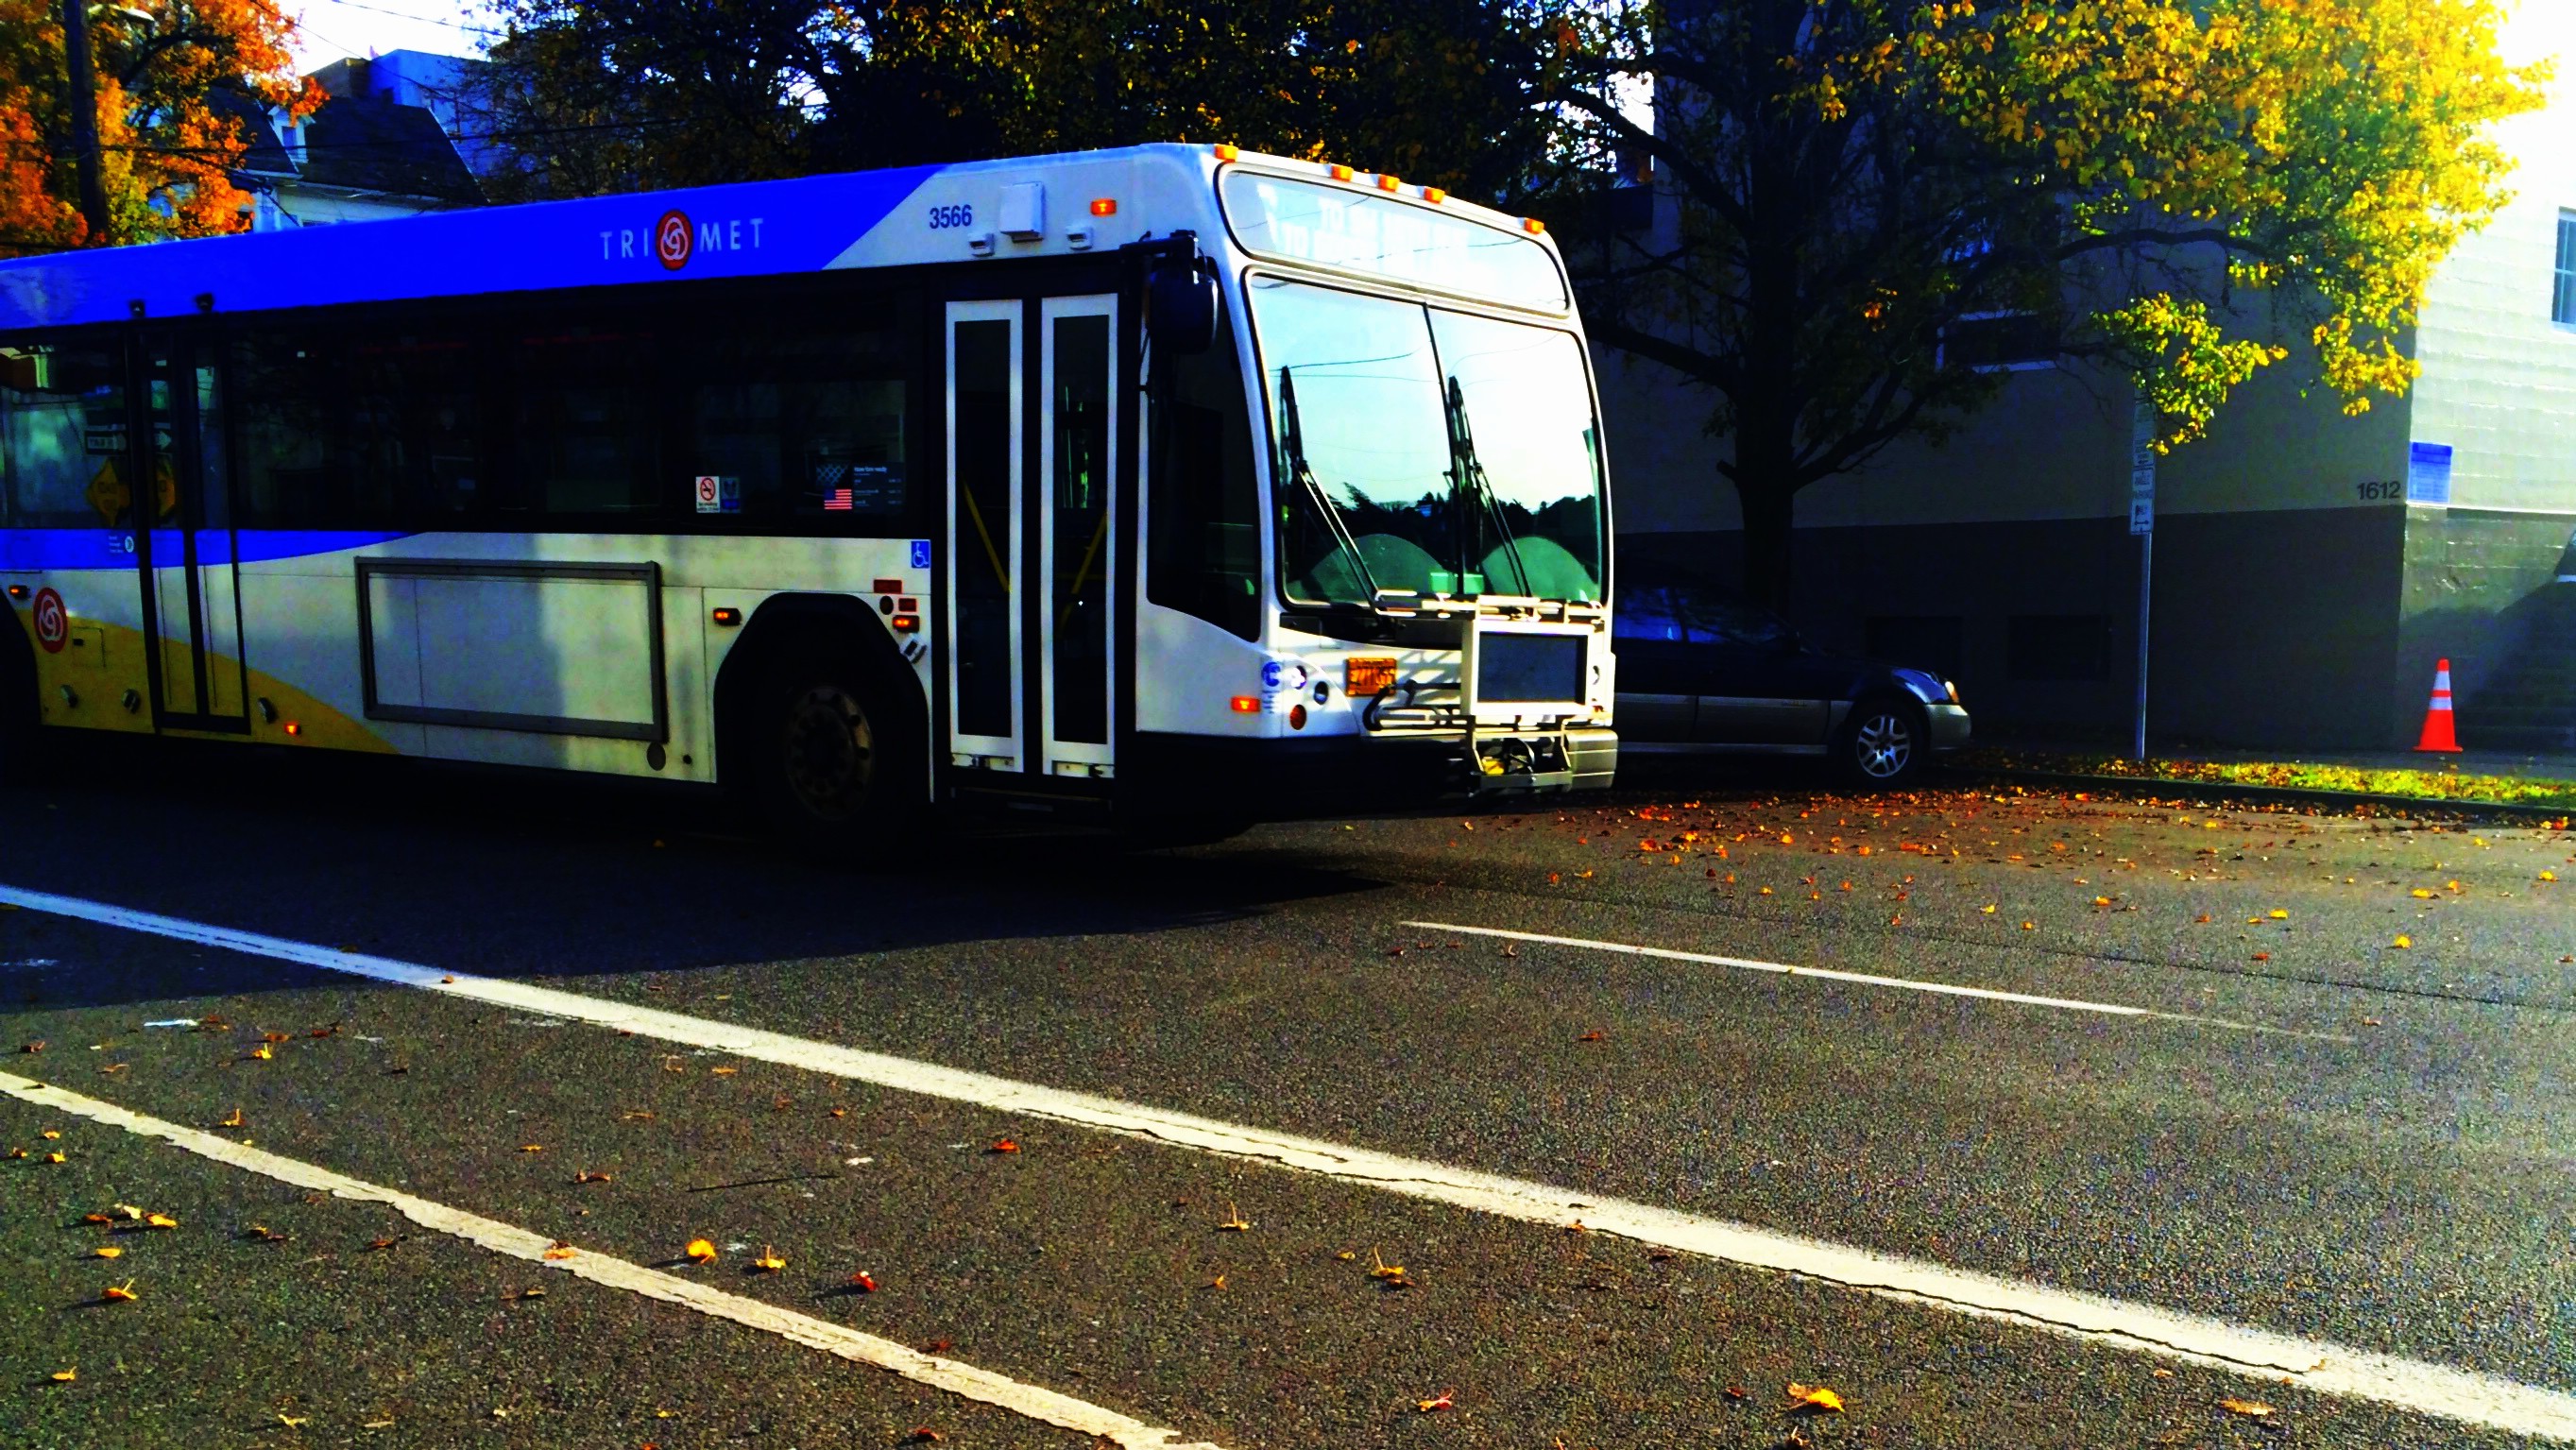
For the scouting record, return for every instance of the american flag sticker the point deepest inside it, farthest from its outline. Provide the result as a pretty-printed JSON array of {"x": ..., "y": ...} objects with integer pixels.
[{"x": 833, "y": 480}]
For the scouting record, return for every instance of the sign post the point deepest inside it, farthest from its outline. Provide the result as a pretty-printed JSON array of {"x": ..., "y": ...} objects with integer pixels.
[{"x": 2142, "y": 523}]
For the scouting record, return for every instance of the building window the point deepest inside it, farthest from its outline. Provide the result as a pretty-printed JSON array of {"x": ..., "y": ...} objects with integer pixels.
[
  {"x": 2562, "y": 302},
  {"x": 2055, "y": 649},
  {"x": 2000, "y": 342}
]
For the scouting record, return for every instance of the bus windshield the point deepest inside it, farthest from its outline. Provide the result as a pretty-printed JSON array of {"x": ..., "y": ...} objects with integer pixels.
[{"x": 1425, "y": 451}]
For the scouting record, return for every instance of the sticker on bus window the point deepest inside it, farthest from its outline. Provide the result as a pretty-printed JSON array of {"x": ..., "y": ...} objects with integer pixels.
[{"x": 719, "y": 494}]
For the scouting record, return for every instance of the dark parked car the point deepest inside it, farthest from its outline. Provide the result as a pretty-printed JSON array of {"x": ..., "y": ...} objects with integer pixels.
[{"x": 1700, "y": 671}]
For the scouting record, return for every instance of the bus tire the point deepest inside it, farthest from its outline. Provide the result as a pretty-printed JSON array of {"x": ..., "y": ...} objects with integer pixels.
[
  {"x": 19, "y": 715},
  {"x": 829, "y": 759}
]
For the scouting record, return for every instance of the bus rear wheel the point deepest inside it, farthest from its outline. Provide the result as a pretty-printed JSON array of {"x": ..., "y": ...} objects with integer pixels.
[{"x": 827, "y": 762}]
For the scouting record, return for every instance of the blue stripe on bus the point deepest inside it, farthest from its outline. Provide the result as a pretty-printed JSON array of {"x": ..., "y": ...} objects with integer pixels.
[
  {"x": 114, "y": 548},
  {"x": 739, "y": 230}
]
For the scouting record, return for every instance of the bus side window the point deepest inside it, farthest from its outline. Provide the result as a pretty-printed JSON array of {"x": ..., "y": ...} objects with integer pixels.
[
  {"x": 1203, "y": 553},
  {"x": 62, "y": 434},
  {"x": 288, "y": 392},
  {"x": 415, "y": 421},
  {"x": 807, "y": 409},
  {"x": 587, "y": 427}
]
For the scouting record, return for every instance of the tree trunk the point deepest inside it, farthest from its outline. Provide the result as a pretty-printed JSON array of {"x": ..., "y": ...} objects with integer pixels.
[{"x": 1766, "y": 543}]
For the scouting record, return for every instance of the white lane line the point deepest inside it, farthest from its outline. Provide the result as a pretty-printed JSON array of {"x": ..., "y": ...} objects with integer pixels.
[
  {"x": 1911, "y": 984},
  {"x": 964, "y": 1380},
  {"x": 2319, "y": 1365}
]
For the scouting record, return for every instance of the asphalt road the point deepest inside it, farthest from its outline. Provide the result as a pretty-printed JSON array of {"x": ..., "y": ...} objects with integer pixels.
[{"x": 2309, "y": 1129}]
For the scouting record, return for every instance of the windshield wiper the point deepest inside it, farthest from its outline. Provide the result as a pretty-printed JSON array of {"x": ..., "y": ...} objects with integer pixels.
[
  {"x": 1467, "y": 476},
  {"x": 1292, "y": 445}
]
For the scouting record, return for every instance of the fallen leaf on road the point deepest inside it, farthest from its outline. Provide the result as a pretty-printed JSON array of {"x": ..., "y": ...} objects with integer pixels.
[
  {"x": 637, "y": 1117},
  {"x": 586, "y": 1176},
  {"x": 262, "y": 1233},
  {"x": 924, "y": 1435},
  {"x": 2262, "y": 956},
  {"x": 723, "y": 1071},
  {"x": 769, "y": 1262},
  {"x": 2279, "y": 915},
  {"x": 106, "y": 1251},
  {"x": 2250, "y": 1409},
  {"x": 863, "y": 1282},
  {"x": 2202, "y": 919},
  {"x": 1235, "y": 1221},
  {"x": 2030, "y": 926},
  {"x": 126, "y": 1211},
  {"x": 118, "y": 1293},
  {"x": 1003, "y": 1145},
  {"x": 277, "y": 1037},
  {"x": 159, "y": 1220},
  {"x": 65, "y": 1376},
  {"x": 700, "y": 1251},
  {"x": 262, "y": 1053},
  {"x": 2403, "y": 942},
  {"x": 379, "y": 1245},
  {"x": 1986, "y": 910},
  {"x": 559, "y": 1250},
  {"x": 1432, "y": 1406},
  {"x": 2548, "y": 876},
  {"x": 1217, "y": 1283},
  {"x": 31, "y": 1047},
  {"x": 56, "y": 1158},
  {"x": 1736, "y": 1392},
  {"x": 1385, "y": 1270},
  {"x": 1595, "y": 1035},
  {"x": 53, "y": 1133},
  {"x": 293, "y": 1421},
  {"x": 2420, "y": 894},
  {"x": 532, "y": 1147},
  {"x": 533, "y": 1291},
  {"x": 1813, "y": 1400},
  {"x": 235, "y": 1121}
]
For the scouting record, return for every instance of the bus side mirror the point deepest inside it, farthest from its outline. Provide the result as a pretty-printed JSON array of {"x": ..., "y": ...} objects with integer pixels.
[{"x": 1181, "y": 308}]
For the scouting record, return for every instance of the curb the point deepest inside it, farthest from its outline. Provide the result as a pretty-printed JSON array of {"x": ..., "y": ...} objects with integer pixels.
[{"x": 2407, "y": 805}]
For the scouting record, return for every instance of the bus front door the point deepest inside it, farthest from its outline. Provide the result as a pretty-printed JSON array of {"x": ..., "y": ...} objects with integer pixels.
[
  {"x": 183, "y": 538},
  {"x": 1031, "y": 538}
]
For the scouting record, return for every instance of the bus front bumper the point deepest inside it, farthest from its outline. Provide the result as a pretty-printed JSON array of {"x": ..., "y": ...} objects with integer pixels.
[{"x": 1331, "y": 774}]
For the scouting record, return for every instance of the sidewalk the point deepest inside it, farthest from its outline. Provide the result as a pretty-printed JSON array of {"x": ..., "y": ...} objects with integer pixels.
[{"x": 2541, "y": 782}]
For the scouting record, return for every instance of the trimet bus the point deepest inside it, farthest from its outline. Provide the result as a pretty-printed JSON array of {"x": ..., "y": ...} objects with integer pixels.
[{"x": 1162, "y": 482}]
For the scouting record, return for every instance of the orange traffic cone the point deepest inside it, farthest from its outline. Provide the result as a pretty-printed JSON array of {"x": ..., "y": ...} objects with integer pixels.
[{"x": 2438, "y": 735}]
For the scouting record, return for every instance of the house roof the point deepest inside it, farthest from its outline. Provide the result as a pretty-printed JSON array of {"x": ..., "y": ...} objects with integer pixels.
[{"x": 364, "y": 143}]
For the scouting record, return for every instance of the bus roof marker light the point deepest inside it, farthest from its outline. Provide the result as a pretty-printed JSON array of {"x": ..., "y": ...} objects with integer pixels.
[
  {"x": 1390, "y": 183},
  {"x": 1533, "y": 225},
  {"x": 1228, "y": 151},
  {"x": 1342, "y": 173},
  {"x": 1434, "y": 195}
]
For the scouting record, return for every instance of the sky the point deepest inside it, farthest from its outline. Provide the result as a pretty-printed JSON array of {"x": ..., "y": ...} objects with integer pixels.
[{"x": 328, "y": 30}]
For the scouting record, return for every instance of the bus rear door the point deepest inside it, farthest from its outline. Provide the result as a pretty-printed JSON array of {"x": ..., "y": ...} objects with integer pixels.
[{"x": 181, "y": 509}]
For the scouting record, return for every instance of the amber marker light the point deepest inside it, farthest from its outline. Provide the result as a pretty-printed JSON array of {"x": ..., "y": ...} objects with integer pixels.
[
  {"x": 1246, "y": 704},
  {"x": 1342, "y": 173},
  {"x": 728, "y": 617},
  {"x": 1390, "y": 183},
  {"x": 1228, "y": 151},
  {"x": 1434, "y": 195},
  {"x": 1533, "y": 225},
  {"x": 1104, "y": 206},
  {"x": 294, "y": 729},
  {"x": 907, "y": 623}
]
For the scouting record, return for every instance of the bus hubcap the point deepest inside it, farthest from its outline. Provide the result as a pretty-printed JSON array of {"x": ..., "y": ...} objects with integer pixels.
[
  {"x": 831, "y": 752},
  {"x": 1883, "y": 745}
]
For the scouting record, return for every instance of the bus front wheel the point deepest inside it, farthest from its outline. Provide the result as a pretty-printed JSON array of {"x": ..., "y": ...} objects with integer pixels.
[{"x": 828, "y": 762}]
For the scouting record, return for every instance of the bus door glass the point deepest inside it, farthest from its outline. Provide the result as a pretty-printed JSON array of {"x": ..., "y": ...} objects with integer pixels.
[
  {"x": 179, "y": 498},
  {"x": 1031, "y": 535},
  {"x": 1077, "y": 549}
]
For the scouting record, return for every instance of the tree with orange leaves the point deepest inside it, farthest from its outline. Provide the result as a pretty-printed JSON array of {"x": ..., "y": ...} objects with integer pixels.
[{"x": 168, "y": 141}]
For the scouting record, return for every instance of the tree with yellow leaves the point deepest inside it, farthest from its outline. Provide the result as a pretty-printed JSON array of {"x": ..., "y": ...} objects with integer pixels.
[
  {"x": 168, "y": 141},
  {"x": 1866, "y": 198}
]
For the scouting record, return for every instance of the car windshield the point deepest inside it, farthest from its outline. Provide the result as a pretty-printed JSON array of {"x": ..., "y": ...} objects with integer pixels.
[{"x": 1429, "y": 451}]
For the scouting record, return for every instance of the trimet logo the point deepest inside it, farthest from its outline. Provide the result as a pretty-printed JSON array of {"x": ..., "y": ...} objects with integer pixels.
[{"x": 675, "y": 239}]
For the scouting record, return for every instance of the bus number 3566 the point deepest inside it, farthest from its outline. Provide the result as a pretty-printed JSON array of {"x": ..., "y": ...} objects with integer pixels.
[{"x": 943, "y": 217}]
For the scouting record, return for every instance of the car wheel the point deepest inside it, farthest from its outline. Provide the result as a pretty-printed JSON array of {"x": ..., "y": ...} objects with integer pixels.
[{"x": 1883, "y": 742}]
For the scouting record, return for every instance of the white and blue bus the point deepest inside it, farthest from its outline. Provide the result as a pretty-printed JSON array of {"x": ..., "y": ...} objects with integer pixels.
[{"x": 1162, "y": 482}]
